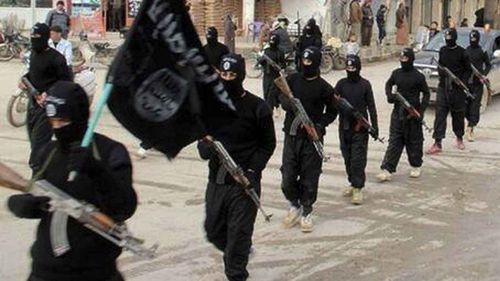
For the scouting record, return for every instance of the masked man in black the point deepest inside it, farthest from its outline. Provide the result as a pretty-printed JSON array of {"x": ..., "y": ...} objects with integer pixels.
[
  {"x": 214, "y": 49},
  {"x": 354, "y": 143},
  {"x": 481, "y": 62},
  {"x": 450, "y": 97},
  {"x": 250, "y": 141},
  {"x": 104, "y": 180},
  {"x": 270, "y": 74},
  {"x": 308, "y": 39},
  {"x": 47, "y": 66},
  {"x": 301, "y": 166},
  {"x": 405, "y": 130}
]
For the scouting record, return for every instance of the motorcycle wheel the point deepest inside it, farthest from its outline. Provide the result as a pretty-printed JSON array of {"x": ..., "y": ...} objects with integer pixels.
[
  {"x": 254, "y": 69},
  {"x": 16, "y": 109},
  {"x": 6, "y": 52},
  {"x": 338, "y": 63},
  {"x": 326, "y": 64}
]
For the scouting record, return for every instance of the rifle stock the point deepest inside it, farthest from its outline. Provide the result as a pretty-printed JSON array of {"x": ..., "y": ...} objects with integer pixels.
[
  {"x": 283, "y": 86},
  {"x": 12, "y": 180}
]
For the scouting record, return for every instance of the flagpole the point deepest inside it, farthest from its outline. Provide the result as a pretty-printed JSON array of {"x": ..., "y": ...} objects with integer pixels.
[{"x": 94, "y": 119}]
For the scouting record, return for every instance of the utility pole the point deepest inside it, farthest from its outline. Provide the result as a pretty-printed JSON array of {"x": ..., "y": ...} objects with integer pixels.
[{"x": 33, "y": 12}]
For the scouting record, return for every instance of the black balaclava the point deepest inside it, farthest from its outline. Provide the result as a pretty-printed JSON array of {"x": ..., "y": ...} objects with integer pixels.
[
  {"x": 410, "y": 55},
  {"x": 474, "y": 38},
  {"x": 450, "y": 36},
  {"x": 39, "y": 44},
  {"x": 69, "y": 101},
  {"x": 234, "y": 63},
  {"x": 308, "y": 30},
  {"x": 274, "y": 41},
  {"x": 353, "y": 61},
  {"x": 212, "y": 35},
  {"x": 314, "y": 55}
]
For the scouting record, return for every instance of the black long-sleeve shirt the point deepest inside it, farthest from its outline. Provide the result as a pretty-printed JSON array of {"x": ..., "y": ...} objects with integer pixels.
[
  {"x": 109, "y": 188},
  {"x": 409, "y": 84},
  {"x": 480, "y": 60},
  {"x": 46, "y": 68},
  {"x": 250, "y": 139},
  {"x": 215, "y": 52},
  {"x": 360, "y": 95},
  {"x": 456, "y": 60},
  {"x": 316, "y": 97},
  {"x": 278, "y": 57}
]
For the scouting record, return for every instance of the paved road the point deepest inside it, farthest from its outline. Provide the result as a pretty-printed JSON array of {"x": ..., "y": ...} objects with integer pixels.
[{"x": 443, "y": 226}]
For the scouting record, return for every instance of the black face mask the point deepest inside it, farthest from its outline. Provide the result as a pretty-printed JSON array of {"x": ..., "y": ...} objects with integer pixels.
[
  {"x": 309, "y": 71},
  {"x": 353, "y": 76},
  {"x": 407, "y": 65},
  {"x": 39, "y": 44},
  {"x": 211, "y": 41},
  {"x": 233, "y": 87},
  {"x": 451, "y": 43},
  {"x": 474, "y": 43},
  {"x": 69, "y": 134}
]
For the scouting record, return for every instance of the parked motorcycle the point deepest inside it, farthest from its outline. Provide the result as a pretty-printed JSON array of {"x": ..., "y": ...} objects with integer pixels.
[
  {"x": 13, "y": 46},
  {"x": 18, "y": 102}
]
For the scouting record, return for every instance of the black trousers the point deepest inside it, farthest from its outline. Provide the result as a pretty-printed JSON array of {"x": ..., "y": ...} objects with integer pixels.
[
  {"x": 270, "y": 98},
  {"x": 451, "y": 102},
  {"x": 381, "y": 32},
  {"x": 404, "y": 134},
  {"x": 300, "y": 171},
  {"x": 354, "y": 147},
  {"x": 39, "y": 130},
  {"x": 473, "y": 107},
  {"x": 117, "y": 277},
  {"x": 229, "y": 223}
]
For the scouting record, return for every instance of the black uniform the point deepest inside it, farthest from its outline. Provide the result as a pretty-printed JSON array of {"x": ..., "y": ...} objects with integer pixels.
[
  {"x": 250, "y": 140},
  {"x": 105, "y": 180},
  {"x": 406, "y": 132},
  {"x": 310, "y": 38},
  {"x": 301, "y": 166},
  {"x": 270, "y": 74},
  {"x": 481, "y": 62},
  {"x": 450, "y": 98},
  {"x": 354, "y": 144},
  {"x": 214, "y": 49},
  {"x": 47, "y": 66}
]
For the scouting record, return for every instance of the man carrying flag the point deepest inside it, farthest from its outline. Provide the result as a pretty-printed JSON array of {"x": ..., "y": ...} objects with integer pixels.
[{"x": 250, "y": 141}]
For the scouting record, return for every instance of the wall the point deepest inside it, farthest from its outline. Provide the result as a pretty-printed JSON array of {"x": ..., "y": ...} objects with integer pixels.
[
  {"x": 306, "y": 11},
  {"x": 25, "y": 14}
]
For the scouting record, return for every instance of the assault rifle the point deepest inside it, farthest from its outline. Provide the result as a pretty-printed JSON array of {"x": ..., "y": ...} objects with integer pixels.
[
  {"x": 454, "y": 79},
  {"x": 345, "y": 106},
  {"x": 483, "y": 79},
  {"x": 298, "y": 109},
  {"x": 237, "y": 173},
  {"x": 412, "y": 111},
  {"x": 63, "y": 205}
]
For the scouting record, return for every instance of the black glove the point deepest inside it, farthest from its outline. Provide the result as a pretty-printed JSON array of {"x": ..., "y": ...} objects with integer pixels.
[
  {"x": 27, "y": 206},
  {"x": 252, "y": 178},
  {"x": 320, "y": 129},
  {"x": 205, "y": 150},
  {"x": 80, "y": 159}
]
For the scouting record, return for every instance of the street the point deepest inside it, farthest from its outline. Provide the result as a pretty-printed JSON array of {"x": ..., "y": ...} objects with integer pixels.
[{"x": 442, "y": 226}]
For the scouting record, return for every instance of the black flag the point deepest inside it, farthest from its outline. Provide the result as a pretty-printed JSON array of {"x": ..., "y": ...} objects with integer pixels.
[{"x": 164, "y": 90}]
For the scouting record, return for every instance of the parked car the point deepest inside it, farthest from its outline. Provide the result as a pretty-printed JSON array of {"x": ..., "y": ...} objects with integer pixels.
[{"x": 425, "y": 61}]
